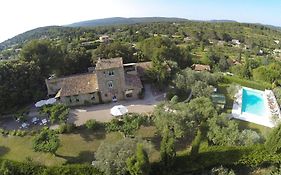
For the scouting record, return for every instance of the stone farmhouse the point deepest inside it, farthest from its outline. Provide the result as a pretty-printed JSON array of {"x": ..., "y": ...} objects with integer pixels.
[{"x": 110, "y": 80}]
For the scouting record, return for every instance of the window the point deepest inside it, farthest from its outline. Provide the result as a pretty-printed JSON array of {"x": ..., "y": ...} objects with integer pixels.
[
  {"x": 129, "y": 93},
  {"x": 110, "y": 84},
  {"x": 114, "y": 99},
  {"x": 77, "y": 100},
  {"x": 93, "y": 98},
  {"x": 111, "y": 73}
]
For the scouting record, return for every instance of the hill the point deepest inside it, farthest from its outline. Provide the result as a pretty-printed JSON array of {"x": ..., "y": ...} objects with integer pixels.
[
  {"x": 120, "y": 20},
  {"x": 92, "y": 29},
  {"x": 57, "y": 31}
]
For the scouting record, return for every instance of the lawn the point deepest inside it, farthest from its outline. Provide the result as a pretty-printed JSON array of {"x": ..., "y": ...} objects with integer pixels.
[
  {"x": 77, "y": 147},
  {"x": 264, "y": 131}
]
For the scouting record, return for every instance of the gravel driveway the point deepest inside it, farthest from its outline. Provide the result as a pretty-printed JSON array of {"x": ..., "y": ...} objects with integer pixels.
[{"x": 101, "y": 112}]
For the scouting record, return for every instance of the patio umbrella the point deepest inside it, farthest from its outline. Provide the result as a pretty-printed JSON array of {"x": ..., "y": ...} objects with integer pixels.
[
  {"x": 50, "y": 101},
  {"x": 40, "y": 103},
  {"x": 118, "y": 110}
]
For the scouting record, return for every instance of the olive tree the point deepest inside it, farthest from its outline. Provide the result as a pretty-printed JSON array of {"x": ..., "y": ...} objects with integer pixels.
[{"x": 112, "y": 158}]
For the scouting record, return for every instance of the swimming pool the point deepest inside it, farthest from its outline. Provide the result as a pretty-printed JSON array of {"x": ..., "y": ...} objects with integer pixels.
[{"x": 253, "y": 102}]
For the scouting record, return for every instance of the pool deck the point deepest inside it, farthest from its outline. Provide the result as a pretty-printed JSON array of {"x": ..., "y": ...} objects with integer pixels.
[{"x": 261, "y": 120}]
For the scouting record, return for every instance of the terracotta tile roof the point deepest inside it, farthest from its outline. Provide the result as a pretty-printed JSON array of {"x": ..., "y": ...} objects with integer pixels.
[
  {"x": 78, "y": 84},
  {"x": 142, "y": 67},
  {"x": 133, "y": 81},
  {"x": 200, "y": 67},
  {"x": 109, "y": 63}
]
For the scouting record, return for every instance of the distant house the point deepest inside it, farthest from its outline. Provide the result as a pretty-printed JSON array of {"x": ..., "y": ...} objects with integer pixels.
[
  {"x": 236, "y": 62},
  {"x": 104, "y": 39},
  {"x": 220, "y": 43},
  {"x": 201, "y": 67},
  {"x": 110, "y": 80},
  {"x": 187, "y": 39},
  {"x": 260, "y": 52},
  {"x": 236, "y": 41}
]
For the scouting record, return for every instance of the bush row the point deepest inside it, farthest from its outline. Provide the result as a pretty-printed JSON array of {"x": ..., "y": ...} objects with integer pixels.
[
  {"x": 247, "y": 83},
  {"x": 20, "y": 133},
  {"x": 212, "y": 156},
  {"x": 17, "y": 168}
]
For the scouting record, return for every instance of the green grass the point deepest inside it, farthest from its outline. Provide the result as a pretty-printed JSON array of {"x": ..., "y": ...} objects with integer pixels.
[
  {"x": 263, "y": 130},
  {"x": 77, "y": 147}
]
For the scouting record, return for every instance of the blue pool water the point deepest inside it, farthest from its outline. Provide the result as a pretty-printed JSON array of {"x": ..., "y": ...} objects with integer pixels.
[{"x": 253, "y": 102}]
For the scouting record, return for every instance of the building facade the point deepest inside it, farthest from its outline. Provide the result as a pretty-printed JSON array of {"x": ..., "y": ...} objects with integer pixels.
[{"x": 110, "y": 80}]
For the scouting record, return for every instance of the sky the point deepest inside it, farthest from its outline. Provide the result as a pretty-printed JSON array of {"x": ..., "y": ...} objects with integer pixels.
[{"x": 18, "y": 16}]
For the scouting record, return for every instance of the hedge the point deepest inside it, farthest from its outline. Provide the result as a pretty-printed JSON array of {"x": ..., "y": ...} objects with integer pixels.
[
  {"x": 246, "y": 83},
  {"x": 213, "y": 156},
  {"x": 9, "y": 167}
]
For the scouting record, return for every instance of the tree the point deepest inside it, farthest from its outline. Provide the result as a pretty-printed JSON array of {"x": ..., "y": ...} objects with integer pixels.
[
  {"x": 138, "y": 164},
  {"x": 223, "y": 131},
  {"x": 44, "y": 54},
  {"x": 273, "y": 143},
  {"x": 160, "y": 71},
  {"x": 7, "y": 168},
  {"x": 277, "y": 93},
  {"x": 20, "y": 84},
  {"x": 201, "y": 89},
  {"x": 46, "y": 141},
  {"x": 167, "y": 149},
  {"x": 223, "y": 64},
  {"x": 116, "y": 49},
  {"x": 233, "y": 89},
  {"x": 75, "y": 60},
  {"x": 270, "y": 73},
  {"x": 173, "y": 117},
  {"x": 111, "y": 158},
  {"x": 249, "y": 137},
  {"x": 200, "y": 83},
  {"x": 200, "y": 110}
]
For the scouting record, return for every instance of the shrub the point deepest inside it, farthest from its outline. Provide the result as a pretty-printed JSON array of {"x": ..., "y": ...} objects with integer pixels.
[
  {"x": 21, "y": 133},
  {"x": 46, "y": 141},
  {"x": 221, "y": 171},
  {"x": 66, "y": 128},
  {"x": 129, "y": 125},
  {"x": 57, "y": 112},
  {"x": 174, "y": 99},
  {"x": 92, "y": 124}
]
